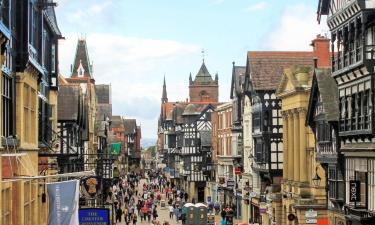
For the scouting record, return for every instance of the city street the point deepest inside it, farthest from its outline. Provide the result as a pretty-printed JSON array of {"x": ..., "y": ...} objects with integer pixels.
[{"x": 162, "y": 212}]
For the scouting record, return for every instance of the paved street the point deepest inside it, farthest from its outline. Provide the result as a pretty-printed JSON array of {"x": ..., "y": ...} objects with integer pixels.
[{"x": 163, "y": 213}]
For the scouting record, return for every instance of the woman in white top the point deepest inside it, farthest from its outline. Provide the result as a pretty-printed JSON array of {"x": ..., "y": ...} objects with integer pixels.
[{"x": 171, "y": 210}]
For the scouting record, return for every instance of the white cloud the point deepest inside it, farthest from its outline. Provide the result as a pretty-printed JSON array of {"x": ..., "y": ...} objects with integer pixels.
[
  {"x": 297, "y": 27},
  {"x": 257, "y": 7},
  {"x": 217, "y": 2},
  {"x": 132, "y": 66},
  {"x": 85, "y": 13}
]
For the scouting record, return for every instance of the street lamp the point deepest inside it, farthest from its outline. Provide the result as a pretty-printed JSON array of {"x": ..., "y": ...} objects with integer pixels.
[{"x": 316, "y": 179}]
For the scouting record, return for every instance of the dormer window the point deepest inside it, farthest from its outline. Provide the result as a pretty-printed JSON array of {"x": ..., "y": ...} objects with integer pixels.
[{"x": 80, "y": 70}]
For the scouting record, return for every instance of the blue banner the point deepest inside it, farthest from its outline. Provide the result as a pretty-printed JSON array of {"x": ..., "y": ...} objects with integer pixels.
[
  {"x": 63, "y": 203},
  {"x": 94, "y": 216}
]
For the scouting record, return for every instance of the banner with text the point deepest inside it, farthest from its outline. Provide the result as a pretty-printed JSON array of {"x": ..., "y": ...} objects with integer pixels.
[{"x": 63, "y": 202}]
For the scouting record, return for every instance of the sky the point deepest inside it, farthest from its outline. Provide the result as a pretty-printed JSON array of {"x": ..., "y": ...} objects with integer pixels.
[{"x": 133, "y": 44}]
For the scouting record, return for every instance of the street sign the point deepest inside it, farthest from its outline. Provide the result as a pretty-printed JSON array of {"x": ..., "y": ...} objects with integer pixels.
[
  {"x": 311, "y": 213},
  {"x": 311, "y": 221},
  {"x": 311, "y": 216},
  {"x": 354, "y": 191}
]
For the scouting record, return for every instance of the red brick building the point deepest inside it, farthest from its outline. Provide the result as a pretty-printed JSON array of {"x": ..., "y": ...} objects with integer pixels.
[{"x": 203, "y": 88}]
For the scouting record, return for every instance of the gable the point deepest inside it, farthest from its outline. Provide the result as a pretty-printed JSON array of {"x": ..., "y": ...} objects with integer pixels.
[{"x": 286, "y": 84}]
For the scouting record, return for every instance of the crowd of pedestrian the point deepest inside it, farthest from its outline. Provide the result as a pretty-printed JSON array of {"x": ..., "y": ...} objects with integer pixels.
[{"x": 133, "y": 202}]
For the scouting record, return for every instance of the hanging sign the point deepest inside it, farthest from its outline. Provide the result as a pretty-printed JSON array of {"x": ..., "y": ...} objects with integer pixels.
[
  {"x": 237, "y": 170},
  {"x": 63, "y": 202},
  {"x": 91, "y": 185},
  {"x": 354, "y": 191},
  {"x": 94, "y": 216}
]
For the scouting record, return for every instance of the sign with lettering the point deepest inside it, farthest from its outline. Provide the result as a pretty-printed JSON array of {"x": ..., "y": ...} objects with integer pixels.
[
  {"x": 230, "y": 183},
  {"x": 354, "y": 191},
  {"x": 94, "y": 216},
  {"x": 311, "y": 216}
]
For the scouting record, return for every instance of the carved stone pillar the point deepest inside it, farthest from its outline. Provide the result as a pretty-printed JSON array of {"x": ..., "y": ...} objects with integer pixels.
[
  {"x": 296, "y": 149},
  {"x": 290, "y": 147},
  {"x": 302, "y": 146},
  {"x": 285, "y": 146}
]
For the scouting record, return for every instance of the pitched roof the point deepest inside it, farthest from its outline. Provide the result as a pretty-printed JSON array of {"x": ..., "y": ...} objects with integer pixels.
[
  {"x": 82, "y": 58},
  {"x": 130, "y": 126},
  {"x": 300, "y": 78},
  {"x": 68, "y": 103},
  {"x": 117, "y": 122},
  {"x": 51, "y": 18},
  {"x": 103, "y": 111},
  {"x": 103, "y": 93},
  {"x": 329, "y": 94},
  {"x": 266, "y": 68},
  {"x": 203, "y": 76},
  {"x": 238, "y": 78},
  {"x": 190, "y": 110}
]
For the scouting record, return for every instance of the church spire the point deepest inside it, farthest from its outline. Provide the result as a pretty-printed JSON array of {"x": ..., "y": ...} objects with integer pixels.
[
  {"x": 82, "y": 65},
  {"x": 164, "y": 97}
]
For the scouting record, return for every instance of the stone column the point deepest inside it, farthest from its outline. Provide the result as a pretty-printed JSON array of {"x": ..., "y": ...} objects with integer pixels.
[
  {"x": 302, "y": 159},
  {"x": 285, "y": 146},
  {"x": 296, "y": 145},
  {"x": 290, "y": 146}
]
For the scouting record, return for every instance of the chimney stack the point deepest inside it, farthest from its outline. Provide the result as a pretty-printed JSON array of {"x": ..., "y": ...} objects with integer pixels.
[{"x": 321, "y": 51}]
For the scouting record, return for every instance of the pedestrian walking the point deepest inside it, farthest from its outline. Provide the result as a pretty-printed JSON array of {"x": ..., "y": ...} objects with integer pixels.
[
  {"x": 176, "y": 213},
  {"x": 127, "y": 220},
  {"x": 154, "y": 213},
  {"x": 148, "y": 214},
  {"x": 134, "y": 218},
  {"x": 171, "y": 210},
  {"x": 118, "y": 214}
]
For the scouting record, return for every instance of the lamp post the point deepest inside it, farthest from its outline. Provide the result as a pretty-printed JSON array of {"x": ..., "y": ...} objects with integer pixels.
[{"x": 316, "y": 179}]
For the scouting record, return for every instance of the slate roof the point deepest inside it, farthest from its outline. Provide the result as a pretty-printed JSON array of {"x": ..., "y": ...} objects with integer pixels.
[
  {"x": 266, "y": 68},
  {"x": 69, "y": 102},
  {"x": 238, "y": 78},
  {"x": 203, "y": 76},
  {"x": 329, "y": 94},
  {"x": 82, "y": 57},
  {"x": 130, "y": 126},
  {"x": 103, "y": 93},
  {"x": 190, "y": 110},
  {"x": 117, "y": 122},
  {"x": 51, "y": 18},
  {"x": 103, "y": 111},
  {"x": 100, "y": 127}
]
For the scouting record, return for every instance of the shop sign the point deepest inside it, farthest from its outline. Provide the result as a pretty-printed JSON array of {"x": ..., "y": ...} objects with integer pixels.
[
  {"x": 263, "y": 208},
  {"x": 94, "y": 216},
  {"x": 354, "y": 191},
  {"x": 237, "y": 170},
  {"x": 230, "y": 183},
  {"x": 311, "y": 216}
]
